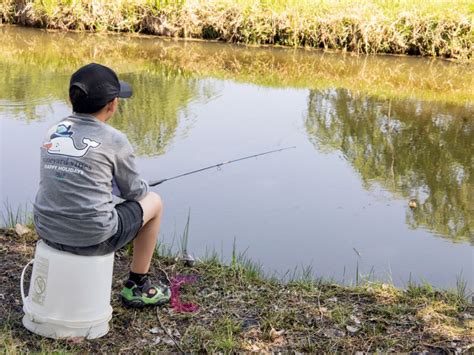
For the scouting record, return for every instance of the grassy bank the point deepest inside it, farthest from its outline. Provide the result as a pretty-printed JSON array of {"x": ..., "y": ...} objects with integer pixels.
[
  {"x": 241, "y": 311},
  {"x": 422, "y": 27}
]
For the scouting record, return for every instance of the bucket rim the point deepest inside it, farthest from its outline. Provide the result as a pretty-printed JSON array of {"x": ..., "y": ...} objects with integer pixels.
[{"x": 105, "y": 317}]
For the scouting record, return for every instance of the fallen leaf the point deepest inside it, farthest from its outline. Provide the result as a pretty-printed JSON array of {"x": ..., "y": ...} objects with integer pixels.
[
  {"x": 252, "y": 333},
  {"x": 157, "y": 340},
  {"x": 76, "y": 340},
  {"x": 21, "y": 229},
  {"x": 254, "y": 347},
  {"x": 427, "y": 317},
  {"x": 274, "y": 334},
  {"x": 332, "y": 299}
]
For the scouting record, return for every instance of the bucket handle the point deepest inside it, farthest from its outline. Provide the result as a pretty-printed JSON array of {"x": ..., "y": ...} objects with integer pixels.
[{"x": 22, "y": 279}]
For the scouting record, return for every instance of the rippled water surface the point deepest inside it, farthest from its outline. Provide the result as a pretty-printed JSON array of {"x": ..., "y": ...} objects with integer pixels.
[{"x": 371, "y": 134}]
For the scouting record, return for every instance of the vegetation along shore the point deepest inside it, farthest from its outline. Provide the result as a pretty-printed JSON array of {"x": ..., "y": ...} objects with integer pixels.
[
  {"x": 238, "y": 309},
  {"x": 441, "y": 28}
]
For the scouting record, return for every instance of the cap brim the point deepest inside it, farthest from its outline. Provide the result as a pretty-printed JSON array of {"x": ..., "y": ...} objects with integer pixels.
[{"x": 125, "y": 90}]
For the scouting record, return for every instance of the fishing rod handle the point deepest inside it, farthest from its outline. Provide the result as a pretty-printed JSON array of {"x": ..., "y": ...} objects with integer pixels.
[{"x": 154, "y": 183}]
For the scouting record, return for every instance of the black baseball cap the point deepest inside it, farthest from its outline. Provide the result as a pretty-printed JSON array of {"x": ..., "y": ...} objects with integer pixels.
[{"x": 98, "y": 85}]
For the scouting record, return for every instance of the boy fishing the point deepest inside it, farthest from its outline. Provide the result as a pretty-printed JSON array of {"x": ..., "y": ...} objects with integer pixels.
[{"x": 84, "y": 161}]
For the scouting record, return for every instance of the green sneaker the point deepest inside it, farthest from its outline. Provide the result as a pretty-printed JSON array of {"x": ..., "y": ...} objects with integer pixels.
[{"x": 136, "y": 296}]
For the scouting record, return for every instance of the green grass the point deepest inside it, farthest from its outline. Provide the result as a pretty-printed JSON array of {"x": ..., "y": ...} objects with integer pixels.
[
  {"x": 421, "y": 27},
  {"x": 10, "y": 216}
]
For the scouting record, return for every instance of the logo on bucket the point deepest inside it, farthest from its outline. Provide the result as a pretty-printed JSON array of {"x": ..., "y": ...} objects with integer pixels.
[
  {"x": 40, "y": 274},
  {"x": 40, "y": 285}
]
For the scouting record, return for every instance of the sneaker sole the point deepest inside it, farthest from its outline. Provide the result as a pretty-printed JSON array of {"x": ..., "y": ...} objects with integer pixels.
[{"x": 141, "y": 304}]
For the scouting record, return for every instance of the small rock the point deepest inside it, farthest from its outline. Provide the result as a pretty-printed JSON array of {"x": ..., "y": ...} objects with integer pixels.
[
  {"x": 332, "y": 299},
  {"x": 355, "y": 319},
  {"x": 249, "y": 323},
  {"x": 464, "y": 315},
  {"x": 188, "y": 260},
  {"x": 155, "y": 330},
  {"x": 157, "y": 340},
  {"x": 21, "y": 229},
  {"x": 352, "y": 329}
]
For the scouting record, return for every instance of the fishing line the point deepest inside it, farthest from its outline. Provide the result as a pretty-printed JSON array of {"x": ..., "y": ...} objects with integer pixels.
[{"x": 154, "y": 183}]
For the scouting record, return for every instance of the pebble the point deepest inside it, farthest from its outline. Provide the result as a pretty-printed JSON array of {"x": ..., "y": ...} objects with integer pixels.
[
  {"x": 355, "y": 319},
  {"x": 352, "y": 329},
  {"x": 155, "y": 330},
  {"x": 467, "y": 316}
]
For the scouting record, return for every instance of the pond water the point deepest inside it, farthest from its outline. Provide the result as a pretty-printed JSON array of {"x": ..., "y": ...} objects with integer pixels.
[{"x": 371, "y": 133}]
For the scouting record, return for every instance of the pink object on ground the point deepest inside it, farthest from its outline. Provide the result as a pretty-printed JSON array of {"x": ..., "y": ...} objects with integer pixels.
[{"x": 175, "y": 302}]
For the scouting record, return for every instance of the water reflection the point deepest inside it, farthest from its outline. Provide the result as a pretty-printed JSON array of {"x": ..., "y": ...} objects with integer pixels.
[
  {"x": 414, "y": 149},
  {"x": 386, "y": 77},
  {"x": 151, "y": 117}
]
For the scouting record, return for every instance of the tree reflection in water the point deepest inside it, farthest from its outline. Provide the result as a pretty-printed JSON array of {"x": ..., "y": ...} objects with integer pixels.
[{"x": 414, "y": 149}]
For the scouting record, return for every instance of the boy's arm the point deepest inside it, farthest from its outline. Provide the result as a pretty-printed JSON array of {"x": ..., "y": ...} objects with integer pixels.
[{"x": 131, "y": 187}]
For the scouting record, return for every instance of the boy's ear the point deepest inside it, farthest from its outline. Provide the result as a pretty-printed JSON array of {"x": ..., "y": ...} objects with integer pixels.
[{"x": 112, "y": 105}]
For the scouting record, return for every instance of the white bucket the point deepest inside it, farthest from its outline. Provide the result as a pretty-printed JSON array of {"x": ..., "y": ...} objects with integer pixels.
[{"x": 69, "y": 295}]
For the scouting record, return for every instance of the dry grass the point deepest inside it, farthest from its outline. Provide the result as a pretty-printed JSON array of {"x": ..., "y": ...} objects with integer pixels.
[{"x": 422, "y": 27}]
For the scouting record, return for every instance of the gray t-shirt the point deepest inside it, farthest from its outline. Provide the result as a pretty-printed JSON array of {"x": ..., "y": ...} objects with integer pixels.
[{"x": 82, "y": 161}]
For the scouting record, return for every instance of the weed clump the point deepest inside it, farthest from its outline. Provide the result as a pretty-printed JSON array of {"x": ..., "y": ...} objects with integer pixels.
[{"x": 429, "y": 28}]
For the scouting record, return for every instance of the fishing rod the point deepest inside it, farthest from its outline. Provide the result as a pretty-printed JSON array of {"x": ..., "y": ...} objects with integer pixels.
[{"x": 154, "y": 183}]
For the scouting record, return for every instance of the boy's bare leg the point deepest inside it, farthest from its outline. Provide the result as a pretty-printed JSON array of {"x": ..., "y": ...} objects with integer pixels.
[{"x": 145, "y": 242}]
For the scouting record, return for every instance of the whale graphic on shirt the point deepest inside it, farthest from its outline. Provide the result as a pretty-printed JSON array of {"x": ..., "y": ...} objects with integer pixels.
[{"x": 61, "y": 143}]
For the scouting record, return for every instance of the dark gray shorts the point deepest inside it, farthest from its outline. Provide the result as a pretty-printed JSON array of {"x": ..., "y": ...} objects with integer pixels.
[{"x": 130, "y": 220}]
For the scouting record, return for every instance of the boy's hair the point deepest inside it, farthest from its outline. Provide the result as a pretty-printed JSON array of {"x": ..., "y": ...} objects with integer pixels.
[{"x": 79, "y": 102}]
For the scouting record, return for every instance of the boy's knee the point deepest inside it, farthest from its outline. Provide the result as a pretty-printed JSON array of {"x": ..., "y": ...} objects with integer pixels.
[
  {"x": 152, "y": 206},
  {"x": 157, "y": 201}
]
